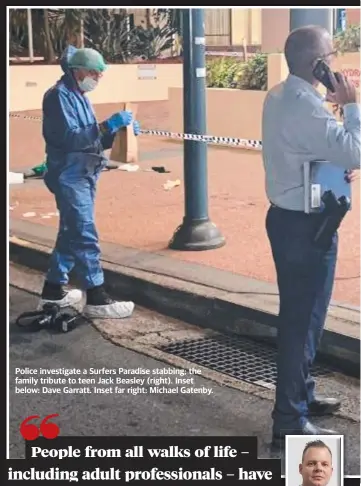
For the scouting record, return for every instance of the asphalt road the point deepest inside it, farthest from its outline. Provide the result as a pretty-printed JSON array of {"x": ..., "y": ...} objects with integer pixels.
[{"x": 226, "y": 412}]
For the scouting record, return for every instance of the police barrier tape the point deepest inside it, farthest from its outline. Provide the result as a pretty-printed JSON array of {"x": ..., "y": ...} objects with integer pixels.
[{"x": 236, "y": 142}]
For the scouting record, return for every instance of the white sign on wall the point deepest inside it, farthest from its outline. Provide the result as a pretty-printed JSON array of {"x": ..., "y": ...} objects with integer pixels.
[{"x": 147, "y": 71}]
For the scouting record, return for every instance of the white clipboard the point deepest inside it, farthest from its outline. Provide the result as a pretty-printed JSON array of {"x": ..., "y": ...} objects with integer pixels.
[{"x": 319, "y": 177}]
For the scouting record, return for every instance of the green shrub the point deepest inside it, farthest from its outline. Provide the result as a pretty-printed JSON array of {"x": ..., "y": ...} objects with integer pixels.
[
  {"x": 228, "y": 72},
  {"x": 223, "y": 72},
  {"x": 348, "y": 40},
  {"x": 254, "y": 73}
]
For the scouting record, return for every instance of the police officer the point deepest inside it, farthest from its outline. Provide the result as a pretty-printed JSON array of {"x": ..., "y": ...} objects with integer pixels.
[
  {"x": 297, "y": 128},
  {"x": 74, "y": 146}
]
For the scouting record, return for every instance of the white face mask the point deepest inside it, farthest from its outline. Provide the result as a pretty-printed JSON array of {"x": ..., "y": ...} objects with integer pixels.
[{"x": 88, "y": 84}]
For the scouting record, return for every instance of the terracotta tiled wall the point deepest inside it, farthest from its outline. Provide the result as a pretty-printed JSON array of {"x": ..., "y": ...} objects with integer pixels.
[{"x": 353, "y": 16}]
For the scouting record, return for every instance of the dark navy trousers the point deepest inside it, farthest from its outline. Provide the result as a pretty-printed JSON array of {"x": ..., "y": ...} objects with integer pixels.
[
  {"x": 305, "y": 276},
  {"x": 77, "y": 244}
]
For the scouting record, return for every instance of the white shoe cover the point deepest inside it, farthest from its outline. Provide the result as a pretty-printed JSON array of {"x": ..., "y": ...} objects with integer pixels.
[
  {"x": 71, "y": 299},
  {"x": 116, "y": 310}
]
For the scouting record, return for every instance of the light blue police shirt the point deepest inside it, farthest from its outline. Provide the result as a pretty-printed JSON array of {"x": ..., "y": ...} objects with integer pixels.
[{"x": 297, "y": 128}]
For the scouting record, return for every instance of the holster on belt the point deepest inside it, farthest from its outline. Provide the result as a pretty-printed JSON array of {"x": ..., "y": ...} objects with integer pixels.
[{"x": 331, "y": 218}]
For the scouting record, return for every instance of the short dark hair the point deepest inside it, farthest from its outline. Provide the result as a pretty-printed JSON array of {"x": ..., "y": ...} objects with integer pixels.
[
  {"x": 303, "y": 46},
  {"x": 315, "y": 443}
]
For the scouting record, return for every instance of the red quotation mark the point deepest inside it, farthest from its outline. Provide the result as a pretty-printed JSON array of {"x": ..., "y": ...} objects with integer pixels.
[{"x": 32, "y": 431}]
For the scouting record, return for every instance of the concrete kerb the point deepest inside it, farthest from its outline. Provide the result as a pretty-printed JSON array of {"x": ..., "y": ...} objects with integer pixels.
[{"x": 198, "y": 304}]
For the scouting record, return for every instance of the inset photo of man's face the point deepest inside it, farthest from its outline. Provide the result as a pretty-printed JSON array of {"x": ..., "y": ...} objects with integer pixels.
[{"x": 316, "y": 467}]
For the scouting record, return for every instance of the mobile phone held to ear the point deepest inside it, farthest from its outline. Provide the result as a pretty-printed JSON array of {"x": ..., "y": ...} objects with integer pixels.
[{"x": 322, "y": 73}]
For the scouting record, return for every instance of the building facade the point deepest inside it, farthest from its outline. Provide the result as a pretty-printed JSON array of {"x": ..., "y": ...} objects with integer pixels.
[{"x": 232, "y": 29}]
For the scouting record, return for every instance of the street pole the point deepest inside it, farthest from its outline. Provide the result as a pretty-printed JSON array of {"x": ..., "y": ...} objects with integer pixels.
[
  {"x": 299, "y": 17},
  {"x": 30, "y": 35},
  {"x": 196, "y": 232}
]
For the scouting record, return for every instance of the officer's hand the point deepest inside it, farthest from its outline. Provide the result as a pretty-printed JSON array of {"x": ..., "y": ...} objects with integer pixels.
[
  {"x": 122, "y": 118},
  {"x": 119, "y": 120},
  {"x": 126, "y": 118},
  {"x": 351, "y": 175},
  {"x": 136, "y": 128},
  {"x": 345, "y": 91}
]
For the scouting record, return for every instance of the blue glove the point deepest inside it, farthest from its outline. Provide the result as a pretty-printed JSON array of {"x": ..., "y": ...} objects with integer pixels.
[
  {"x": 136, "y": 128},
  {"x": 119, "y": 120}
]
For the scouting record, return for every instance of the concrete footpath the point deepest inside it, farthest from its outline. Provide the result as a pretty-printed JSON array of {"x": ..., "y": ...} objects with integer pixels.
[{"x": 194, "y": 293}]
